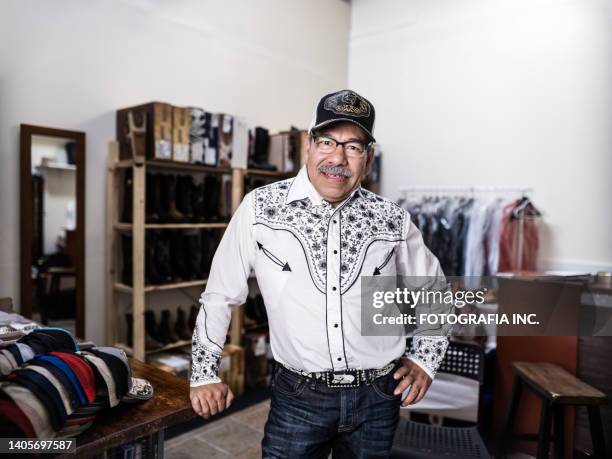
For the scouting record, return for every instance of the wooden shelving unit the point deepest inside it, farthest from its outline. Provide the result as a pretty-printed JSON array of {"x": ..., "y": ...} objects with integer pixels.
[{"x": 138, "y": 290}]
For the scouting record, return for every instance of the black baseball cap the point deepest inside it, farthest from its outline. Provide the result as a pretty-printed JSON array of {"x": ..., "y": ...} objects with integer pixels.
[{"x": 344, "y": 106}]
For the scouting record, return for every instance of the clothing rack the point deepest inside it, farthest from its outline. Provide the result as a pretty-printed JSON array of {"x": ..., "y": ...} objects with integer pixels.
[
  {"x": 470, "y": 189},
  {"x": 473, "y": 190}
]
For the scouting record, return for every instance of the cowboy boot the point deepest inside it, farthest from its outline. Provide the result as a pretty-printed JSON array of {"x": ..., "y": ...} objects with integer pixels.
[
  {"x": 177, "y": 256},
  {"x": 173, "y": 212},
  {"x": 128, "y": 190},
  {"x": 153, "y": 198},
  {"x": 163, "y": 259},
  {"x": 193, "y": 315},
  {"x": 166, "y": 334},
  {"x": 150, "y": 343},
  {"x": 151, "y": 326},
  {"x": 152, "y": 274},
  {"x": 193, "y": 255},
  {"x": 180, "y": 327},
  {"x": 212, "y": 192},
  {"x": 184, "y": 192},
  {"x": 164, "y": 203},
  {"x": 199, "y": 203}
]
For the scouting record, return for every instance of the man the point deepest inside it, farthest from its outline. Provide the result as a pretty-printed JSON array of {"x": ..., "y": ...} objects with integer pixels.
[{"x": 309, "y": 240}]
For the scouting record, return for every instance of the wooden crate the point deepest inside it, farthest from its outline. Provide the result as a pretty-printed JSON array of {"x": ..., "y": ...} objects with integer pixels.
[
  {"x": 157, "y": 117},
  {"x": 231, "y": 369}
]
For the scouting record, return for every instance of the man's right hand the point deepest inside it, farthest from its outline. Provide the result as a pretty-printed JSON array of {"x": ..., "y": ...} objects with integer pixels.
[{"x": 210, "y": 399}]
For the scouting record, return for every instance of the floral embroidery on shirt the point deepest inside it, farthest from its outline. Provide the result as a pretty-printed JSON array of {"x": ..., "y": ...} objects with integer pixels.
[
  {"x": 363, "y": 219},
  {"x": 428, "y": 351},
  {"x": 204, "y": 362}
]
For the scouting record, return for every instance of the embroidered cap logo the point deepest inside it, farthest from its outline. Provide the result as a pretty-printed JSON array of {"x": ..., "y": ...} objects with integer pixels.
[{"x": 347, "y": 103}]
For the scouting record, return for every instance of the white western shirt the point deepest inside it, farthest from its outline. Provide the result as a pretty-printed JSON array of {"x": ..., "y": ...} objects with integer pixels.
[{"x": 308, "y": 258}]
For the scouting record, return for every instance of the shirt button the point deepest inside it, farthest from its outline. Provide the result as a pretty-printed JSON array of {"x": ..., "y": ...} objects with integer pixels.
[
  {"x": 335, "y": 221},
  {"x": 334, "y": 289},
  {"x": 335, "y": 325},
  {"x": 335, "y": 252},
  {"x": 339, "y": 359}
]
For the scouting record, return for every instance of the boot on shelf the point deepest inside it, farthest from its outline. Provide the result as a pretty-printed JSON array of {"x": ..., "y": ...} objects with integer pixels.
[
  {"x": 151, "y": 326},
  {"x": 177, "y": 256},
  {"x": 128, "y": 189},
  {"x": 209, "y": 241},
  {"x": 153, "y": 198},
  {"x": 184, "y": 193},
  {"x": 163, "y": 261},
  {"x": 180, "y": 327},
  {"x": 173, "y": 213},
  {"x": 193, "y": 315},
  {"x": 193, "y": 255},
  {"x": 166, "y": 334},
  {"x": 212, "y": 195},
  {"x": 198, "y": 203},
  {"x": 152, "y": 274},
  {"x": 126, "y": 255},
  {"x": 150, "y": 343}
]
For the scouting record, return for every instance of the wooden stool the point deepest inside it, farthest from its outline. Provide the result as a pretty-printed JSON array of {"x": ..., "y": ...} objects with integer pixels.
[{"x": 556, "y": 388}]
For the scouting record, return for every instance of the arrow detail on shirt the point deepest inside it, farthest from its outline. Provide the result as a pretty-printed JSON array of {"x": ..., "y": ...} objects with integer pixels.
[
  {"x": 384, "y": 263},
  {"x": 274, "y": 259}
]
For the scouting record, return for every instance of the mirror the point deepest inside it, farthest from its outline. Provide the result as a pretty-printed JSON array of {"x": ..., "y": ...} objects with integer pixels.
[{"x": 52, "y": 179}]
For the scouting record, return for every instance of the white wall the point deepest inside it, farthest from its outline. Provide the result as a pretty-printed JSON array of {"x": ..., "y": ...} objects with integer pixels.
[
  {"x": 70, "y": 64},
  {"x": 497, "y": 92}
]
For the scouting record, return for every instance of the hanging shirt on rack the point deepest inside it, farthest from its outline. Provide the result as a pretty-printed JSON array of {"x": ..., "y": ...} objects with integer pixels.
[{"x": 509, "y": 241}]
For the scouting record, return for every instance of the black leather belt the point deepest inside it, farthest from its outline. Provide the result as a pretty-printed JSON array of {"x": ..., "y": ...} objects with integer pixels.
[{"x": 348, "y": 377}]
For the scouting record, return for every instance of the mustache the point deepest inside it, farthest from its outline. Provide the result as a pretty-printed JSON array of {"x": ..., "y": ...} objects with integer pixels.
[{"x": 335, "y": 170}]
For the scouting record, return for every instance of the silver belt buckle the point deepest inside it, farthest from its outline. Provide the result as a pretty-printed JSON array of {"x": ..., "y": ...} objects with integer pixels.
[{"x": 348, "y": 378}]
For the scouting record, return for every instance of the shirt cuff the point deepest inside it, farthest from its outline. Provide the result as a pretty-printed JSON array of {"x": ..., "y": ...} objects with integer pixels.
[
  {"x": 428, "y": 352},
  {"x": 204, "y": 363}
]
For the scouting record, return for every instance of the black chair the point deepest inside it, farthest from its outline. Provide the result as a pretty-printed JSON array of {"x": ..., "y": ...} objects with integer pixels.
[{"x": 427, "y": 441}]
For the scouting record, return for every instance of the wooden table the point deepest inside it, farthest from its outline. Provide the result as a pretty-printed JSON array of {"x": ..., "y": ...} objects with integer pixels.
[{"x": 169, "y": 405}]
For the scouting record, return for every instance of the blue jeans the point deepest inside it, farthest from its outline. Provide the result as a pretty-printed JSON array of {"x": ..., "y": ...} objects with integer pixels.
[{"x": 308, "y": 419}]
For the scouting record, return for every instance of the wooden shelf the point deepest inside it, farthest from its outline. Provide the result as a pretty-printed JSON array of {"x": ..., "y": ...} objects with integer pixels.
[
  {"x": 129, "y": 226},
  {"x": 154, "y": 288},
  {"x": 137, "y": 228},
  {"x": 180, "y": 343},
  {"x": 164, "y": 164}
]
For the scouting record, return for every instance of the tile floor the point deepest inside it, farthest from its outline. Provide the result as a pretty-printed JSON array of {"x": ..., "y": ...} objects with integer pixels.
[{"x": 235, "y": 436}]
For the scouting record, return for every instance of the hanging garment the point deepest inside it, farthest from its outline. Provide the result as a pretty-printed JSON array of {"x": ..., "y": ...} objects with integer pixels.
[{"x": 509, "y": 257}]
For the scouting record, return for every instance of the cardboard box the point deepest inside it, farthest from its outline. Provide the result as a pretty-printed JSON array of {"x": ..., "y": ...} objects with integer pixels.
[
  {"x": 224, "y": 136},
  {"x": 157, "y": 117},
  {"x": 180, "y": 133},
  {"x": 240, "y": 144},
  {"x": 199, "y": 136},
  {"x": 286, "y": 150}
]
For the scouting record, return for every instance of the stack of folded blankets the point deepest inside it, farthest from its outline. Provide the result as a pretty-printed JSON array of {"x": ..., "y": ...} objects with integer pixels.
[{"x": 50, "y": 387}]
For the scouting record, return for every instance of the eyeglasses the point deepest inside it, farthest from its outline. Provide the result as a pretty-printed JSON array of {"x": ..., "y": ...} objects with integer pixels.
[{"x": 353, "y": 149}]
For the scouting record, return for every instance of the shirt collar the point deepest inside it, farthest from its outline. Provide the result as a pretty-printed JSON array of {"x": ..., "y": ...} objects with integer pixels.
[{"x": 302, "y": 188}]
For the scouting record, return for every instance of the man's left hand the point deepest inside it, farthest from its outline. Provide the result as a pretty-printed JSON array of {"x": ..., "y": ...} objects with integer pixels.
[{"x": 413, "y": 376}]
